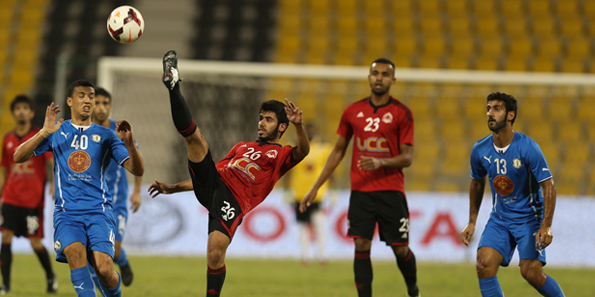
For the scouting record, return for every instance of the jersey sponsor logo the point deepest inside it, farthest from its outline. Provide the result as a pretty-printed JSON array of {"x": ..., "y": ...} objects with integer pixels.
[
  {"x": 373, "y": 144},
  {"x": 9, "y": 145},
  {"x": 272, "y": 154},
  {"x": 488, "y": 158},
  {"x": 79, "y": 161},
  {"x": 246, "y": 166},
  {"x": 57, "y": 245},
  {"x": 96, "y": 137},
  {"x": 360, "y": 114},
  {"x": 228, "y": 212},
  {"x": 545, "y": 169},
  {"x": 503, "y": 185},
  {"x": 516, "y": 163},
  {"x": 24, "y": 168},
  {"x": 65, "y": 134},
  {"x": 387, "y": 118}
]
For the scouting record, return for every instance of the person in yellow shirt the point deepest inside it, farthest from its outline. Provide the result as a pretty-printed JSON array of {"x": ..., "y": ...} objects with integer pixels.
[{"x": 297, "y": 185}]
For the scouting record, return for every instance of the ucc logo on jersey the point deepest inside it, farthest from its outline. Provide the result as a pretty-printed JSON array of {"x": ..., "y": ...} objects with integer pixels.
[
  {"x": 24, "y": 168},
  {"x": 372, "y": 144},
  {"x": 79, "y": 161},
  {"x": 245, "y": 166},
  {"x": 503, "y": 185},
  {"x": 96, "y": 137},
  {"x": 516, "y": 163}
]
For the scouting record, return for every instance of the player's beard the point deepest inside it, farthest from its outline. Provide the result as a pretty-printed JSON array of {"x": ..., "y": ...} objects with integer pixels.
[
  {"x": 499, "y": 125},
  {"x": 270, "y": 136}
]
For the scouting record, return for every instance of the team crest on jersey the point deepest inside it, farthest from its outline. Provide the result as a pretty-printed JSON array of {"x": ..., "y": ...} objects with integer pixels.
[
  {"x": 57, "y": 245},
  {"x": 96, "y": 137},
  {"x": 79, "y": 161},
  {"x": 272, "y": 154},
  {"x": 387, "y": 118},
  {"x": 516, "y": 163},
  {"x": 503, "y": 185}
]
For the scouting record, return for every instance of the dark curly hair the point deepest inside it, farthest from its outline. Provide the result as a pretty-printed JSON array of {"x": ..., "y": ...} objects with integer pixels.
[{"x": 509, "y": 102}]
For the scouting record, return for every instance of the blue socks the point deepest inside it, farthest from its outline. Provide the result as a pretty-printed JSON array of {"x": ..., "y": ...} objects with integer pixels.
[
  {"x": 122, "y": 259},
  {"x": 94, "y": 276},
  {"x": 490, "y": 287},
  {"x": 105, "y": 291},
  {"x": 551, "y": 288},
  {"x": 82, "y": 283},
  {"x": 115, "y": 292}
]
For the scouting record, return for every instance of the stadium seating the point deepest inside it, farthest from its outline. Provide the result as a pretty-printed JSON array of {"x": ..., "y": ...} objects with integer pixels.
[
  {"x": 21, "y": 24},
  {"x": 523, "y": 35},
  {"x": 526, "y": 35}
]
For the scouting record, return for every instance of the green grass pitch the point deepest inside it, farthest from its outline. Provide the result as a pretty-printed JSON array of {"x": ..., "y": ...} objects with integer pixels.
[{"x": 186, "y": 276}]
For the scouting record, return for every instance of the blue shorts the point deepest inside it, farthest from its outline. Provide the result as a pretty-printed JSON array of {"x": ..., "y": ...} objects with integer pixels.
[
  {"x": 95, "y": 230},
  {"x": 121, "y": 216},
  {"x": 504, "y": 236}
]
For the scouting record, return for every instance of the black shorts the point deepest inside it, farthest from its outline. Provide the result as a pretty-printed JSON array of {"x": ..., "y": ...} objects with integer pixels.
[
  {"x": 306, "y": 216},
  {"x": 225, "y": 213},
  {"x": 23, "y": 221},
  {"x": 387, "y": 208}
]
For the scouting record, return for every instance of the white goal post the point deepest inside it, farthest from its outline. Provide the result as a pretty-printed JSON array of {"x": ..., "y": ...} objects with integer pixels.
[{"x": 222, "y": 95}]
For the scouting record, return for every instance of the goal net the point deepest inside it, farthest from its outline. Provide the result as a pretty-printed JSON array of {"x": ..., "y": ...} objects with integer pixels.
[{"x": 557, "y": 110}]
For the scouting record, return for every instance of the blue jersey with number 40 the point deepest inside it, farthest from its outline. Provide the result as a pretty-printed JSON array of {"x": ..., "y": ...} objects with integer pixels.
[
  {"x": 514, "y": 176},
  {"x": 82, "y": 156}
]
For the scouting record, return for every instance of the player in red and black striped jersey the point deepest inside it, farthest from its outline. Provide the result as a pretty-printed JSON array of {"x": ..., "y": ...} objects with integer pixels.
[
  {"x": 239, "y": 182},
  {"x": 22, "y": 188},
  {"x": 382, "y": 131}
]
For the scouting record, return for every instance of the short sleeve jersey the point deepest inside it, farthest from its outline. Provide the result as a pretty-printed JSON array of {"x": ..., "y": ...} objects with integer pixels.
[
  {"x": 81, "y": 159},
  {"x": 117, "y": 179},
  {"x": 377, "y": 131},
  {"x": 25, "y": 182},
  {"x": 251, "y": 169},
  {"x": 308, "y": 170},
  {"x": 514, "y": 176}
]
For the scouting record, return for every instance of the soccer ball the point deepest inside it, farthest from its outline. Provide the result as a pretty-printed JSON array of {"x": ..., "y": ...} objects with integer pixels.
[{"x": 125, "y": 24}]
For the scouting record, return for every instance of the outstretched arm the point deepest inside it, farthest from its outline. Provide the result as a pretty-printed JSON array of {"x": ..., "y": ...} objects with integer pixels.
[
  {"x": 475, "y": 197},
  {"x": 25, "y": 151},
  {"x": 294, "y": 114},
  {"x": 332, "y": 162},
  {"x": 160, "y": 188},
  {"x": 135, "y": 164},
  {"x": 544, "y": 235},
  {"x": 404, "y": 159}
]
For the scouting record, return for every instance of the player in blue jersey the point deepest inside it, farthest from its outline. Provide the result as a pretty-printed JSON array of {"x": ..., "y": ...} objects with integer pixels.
[
  {"x": 83, "y": 217},
  {"x": 523, "y": 201},
  {"x": 118, "y": 184}
]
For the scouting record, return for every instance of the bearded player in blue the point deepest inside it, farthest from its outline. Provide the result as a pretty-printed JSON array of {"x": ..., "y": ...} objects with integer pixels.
[
  {"x": 523, "y": 201},
  {"x": 83, "y": 217}
]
